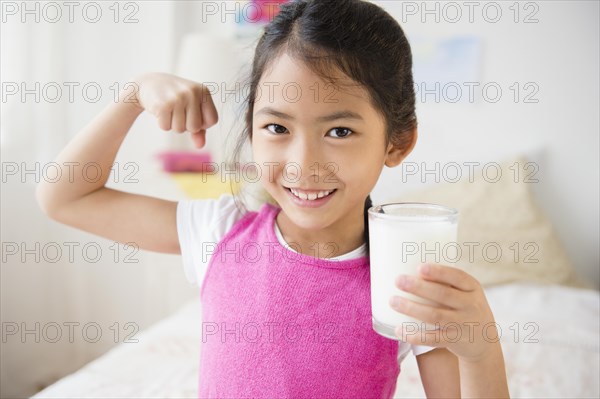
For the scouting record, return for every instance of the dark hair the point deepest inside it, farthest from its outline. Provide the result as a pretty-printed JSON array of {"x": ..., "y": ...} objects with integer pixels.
[{"x": 356, "y": 37}]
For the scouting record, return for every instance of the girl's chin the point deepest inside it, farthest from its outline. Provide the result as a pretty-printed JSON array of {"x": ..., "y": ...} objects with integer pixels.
[{"x": 301, "y": 218}]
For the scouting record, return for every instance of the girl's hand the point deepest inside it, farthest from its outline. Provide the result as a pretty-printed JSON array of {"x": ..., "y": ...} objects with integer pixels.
[
  {"x": 466, "y": 322},
  {"x": 178, "y": 104}
]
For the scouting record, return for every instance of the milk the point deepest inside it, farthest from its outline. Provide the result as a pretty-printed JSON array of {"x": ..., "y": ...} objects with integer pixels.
[{"x": 400, "y": 239}]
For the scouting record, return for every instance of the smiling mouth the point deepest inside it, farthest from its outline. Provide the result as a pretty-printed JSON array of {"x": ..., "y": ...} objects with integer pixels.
[{"x": 311, "y": 195}]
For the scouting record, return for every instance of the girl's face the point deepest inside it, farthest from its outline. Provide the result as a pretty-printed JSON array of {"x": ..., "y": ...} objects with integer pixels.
[{"x": 310, "y": 136}]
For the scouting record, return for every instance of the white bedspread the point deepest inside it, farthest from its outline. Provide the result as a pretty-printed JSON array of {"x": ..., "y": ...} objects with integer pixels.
[{"x": 564, "y": 362}]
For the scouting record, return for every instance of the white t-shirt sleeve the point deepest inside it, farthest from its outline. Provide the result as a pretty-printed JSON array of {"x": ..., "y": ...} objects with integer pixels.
[
  {"x": 404, "y": 348},
  {"x": 201, "y": 224},
  {"x": 420, "y": 349}
]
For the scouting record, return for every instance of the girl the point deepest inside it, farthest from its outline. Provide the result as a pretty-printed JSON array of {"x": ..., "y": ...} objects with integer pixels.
[{"x": 285, "y": 289}]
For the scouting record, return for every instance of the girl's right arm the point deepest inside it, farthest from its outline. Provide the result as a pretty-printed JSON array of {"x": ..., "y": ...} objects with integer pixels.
[{"x": 86, "y": 204}]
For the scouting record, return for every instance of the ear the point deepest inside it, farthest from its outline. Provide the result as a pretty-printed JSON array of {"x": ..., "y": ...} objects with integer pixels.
[{"x": 395, "y": 155}]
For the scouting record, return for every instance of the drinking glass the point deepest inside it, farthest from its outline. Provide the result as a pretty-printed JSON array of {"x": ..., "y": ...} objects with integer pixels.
[{"x": 401, "y": 237}]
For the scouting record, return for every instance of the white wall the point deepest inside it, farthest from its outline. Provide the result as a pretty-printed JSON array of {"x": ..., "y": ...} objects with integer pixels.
[
  {"x": 560, "y": 54},
  {"x": 102, "y": 292}
]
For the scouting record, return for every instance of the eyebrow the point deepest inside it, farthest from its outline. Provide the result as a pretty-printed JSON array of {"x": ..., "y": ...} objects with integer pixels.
[{"x": 326, "y": 118}]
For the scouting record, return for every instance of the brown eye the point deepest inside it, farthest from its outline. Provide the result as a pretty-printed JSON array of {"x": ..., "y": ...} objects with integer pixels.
[
  {"x": 278, "y": 128},
  {"x": 342, "y": 131}
]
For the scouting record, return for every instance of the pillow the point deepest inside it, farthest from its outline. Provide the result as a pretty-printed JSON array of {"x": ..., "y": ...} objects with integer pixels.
[{"x": 504, "y": 215}]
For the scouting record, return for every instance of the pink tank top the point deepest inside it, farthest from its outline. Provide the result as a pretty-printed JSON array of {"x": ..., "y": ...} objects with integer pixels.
[{"x": 281, "y": 324}]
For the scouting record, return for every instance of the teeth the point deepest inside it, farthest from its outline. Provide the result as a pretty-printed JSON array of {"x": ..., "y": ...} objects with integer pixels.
[{"x": 311, "y": 196}]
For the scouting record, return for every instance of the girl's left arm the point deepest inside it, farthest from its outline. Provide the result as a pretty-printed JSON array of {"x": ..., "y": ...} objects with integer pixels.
[
  {"x": 445, "y": 384},
  {"x": 484, "y": 378},
  {"x": 467, "y": 330},
  {"x": 461, "y": 379}
]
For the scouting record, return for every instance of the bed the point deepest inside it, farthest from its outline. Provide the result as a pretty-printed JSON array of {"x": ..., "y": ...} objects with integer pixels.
[
  {"x": 556, "y": 355},
  {"x": 549, "y": 320}
]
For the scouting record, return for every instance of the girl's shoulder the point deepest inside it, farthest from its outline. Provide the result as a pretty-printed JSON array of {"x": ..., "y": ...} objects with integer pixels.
[
  {"x": 212, "y": 217},
  {"x": 201, "y": 222}
]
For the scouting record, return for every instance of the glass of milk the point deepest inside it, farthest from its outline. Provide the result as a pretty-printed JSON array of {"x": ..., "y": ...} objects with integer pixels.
[{"x": 401, "y": 237}]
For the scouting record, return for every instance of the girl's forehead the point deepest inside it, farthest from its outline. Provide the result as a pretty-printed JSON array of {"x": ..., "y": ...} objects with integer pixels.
[{"x": 286, "y": 75}]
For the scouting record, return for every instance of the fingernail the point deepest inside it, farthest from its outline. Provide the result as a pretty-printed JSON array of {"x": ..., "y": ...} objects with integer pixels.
[{"x": 424, "y": 268}]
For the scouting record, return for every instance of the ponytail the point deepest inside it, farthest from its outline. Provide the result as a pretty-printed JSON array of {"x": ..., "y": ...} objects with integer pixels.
[{"x": 368, "y": 204}]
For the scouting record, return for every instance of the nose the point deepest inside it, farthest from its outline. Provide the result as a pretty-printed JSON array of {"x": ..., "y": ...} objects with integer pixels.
[{"x": 306, "y": 163}]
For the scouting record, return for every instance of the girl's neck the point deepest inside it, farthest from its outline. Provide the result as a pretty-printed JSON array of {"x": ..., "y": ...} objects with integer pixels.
[{"x": 324, "y": 243}]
